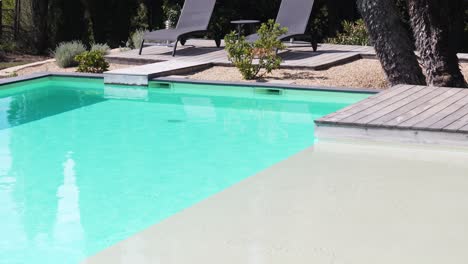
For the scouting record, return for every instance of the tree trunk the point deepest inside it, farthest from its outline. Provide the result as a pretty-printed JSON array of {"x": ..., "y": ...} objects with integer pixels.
[
  {"x": 39, "y": 9},
  {"x": 392, "y": 45},
  {"x": 432, "y": 27}
]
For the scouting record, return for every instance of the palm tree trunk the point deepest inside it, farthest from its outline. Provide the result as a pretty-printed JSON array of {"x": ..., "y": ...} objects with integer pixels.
[
  {"x": 432, "y": 27},
  {"x": 391, "y": 42}
]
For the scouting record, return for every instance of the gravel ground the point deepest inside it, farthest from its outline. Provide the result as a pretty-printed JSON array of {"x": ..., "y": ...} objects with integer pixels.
[
  {"x": 52, "y": 67},
  {"x": 364, "y": 73}
]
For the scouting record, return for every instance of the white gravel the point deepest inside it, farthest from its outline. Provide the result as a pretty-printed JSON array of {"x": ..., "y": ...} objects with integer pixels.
[
  {"x": 52, "y": 67},
  {"x": 364, "y": 73}
]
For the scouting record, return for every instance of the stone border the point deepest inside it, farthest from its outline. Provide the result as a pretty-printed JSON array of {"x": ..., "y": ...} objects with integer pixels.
[
  {"x": 48, "y": 74},
  {"x": 181, "y": 80},
  {"x": 269, "y": 84}
]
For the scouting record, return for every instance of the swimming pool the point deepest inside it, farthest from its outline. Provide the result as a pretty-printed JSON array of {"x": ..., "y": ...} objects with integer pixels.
[{"x": 83, "y": 165}]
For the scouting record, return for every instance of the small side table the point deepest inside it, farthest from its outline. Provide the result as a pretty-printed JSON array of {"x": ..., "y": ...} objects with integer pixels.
[{"x": 240, "y": 23}]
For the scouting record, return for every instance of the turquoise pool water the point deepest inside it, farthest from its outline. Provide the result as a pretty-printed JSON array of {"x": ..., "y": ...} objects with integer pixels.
[{"x": 83, "y": 166}]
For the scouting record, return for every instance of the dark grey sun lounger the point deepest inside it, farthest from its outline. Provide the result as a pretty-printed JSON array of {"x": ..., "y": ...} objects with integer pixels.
[
  {"x": 194, "y": 19},
  {"x": 293, "y": 14}
]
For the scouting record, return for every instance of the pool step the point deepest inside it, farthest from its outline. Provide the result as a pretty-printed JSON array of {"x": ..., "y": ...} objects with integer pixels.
[
  {"x": 125, "y": 92},
  {"x": 140, "y": 75}
]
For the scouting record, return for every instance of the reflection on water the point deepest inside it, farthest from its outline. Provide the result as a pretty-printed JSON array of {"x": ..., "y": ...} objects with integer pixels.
[
  {"x": 79, "y": 172},
  {"x": 68, "y": 231},
  {"x": 36, "y": 104}
]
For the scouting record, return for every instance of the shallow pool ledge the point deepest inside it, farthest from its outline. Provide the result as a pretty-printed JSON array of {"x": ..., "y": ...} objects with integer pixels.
[{"x": 333, "y": 203}]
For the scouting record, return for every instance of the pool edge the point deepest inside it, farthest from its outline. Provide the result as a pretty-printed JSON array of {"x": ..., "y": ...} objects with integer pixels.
[
  {"x": 180, "y": 80},
  {"x": 273, "y": 85},
  {"x": 48, "y": 74}
]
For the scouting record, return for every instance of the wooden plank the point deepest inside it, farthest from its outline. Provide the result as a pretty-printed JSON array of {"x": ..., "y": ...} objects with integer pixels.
[
  {"x": 377, "y": 117},
  {"x": 382, "y": 104},
  {"x": 139, "y": 75},
  {"x": 461, "y": 109},
  {"x": 462, "y": 121},
  {"x": 366, "y": 103},
  {"x": 320, "y": 60},
  {"x": 464, "y": 129},
  {"x": 433, "y": 109},
  {"x": 338, "y": 60},
  {"x": 463, "y": 57},
  {"x": 436, "y": 120},
  {"x": 412, "y": 108}
]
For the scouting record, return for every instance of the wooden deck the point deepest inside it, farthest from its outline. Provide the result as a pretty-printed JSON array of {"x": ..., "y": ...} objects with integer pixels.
[
  {"x": 157, "y": 60},
  {"x": 415, "y": 109},
  {"x": 204, "y": 51}
]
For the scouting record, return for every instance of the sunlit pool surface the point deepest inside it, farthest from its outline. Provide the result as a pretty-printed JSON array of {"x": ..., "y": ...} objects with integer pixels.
[{"x": 83, "y": 166}]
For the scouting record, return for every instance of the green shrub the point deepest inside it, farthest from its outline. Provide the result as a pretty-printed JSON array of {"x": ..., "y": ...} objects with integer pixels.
[
  {"x": 92, "y": 61},
  {"x": 319, "y": 22},
  {"x": 104, "y": 48},
  {"x": 354, "y": 33},
  {"x": 66, "y": 52},
  {"x": 140, "y": 19},
  {"x": 171, "y": 12},
  {"x": 135, "y": 39},
  {"x": 8, "y": 47},
  {"x": 251, "y": 58}
]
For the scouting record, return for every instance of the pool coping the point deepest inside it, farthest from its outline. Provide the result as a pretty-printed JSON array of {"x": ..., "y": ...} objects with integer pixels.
[
  {"x": 39, "y": 75},
  {"x": 181, "y": 80},
  {"x": 270, "y": 84}
]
